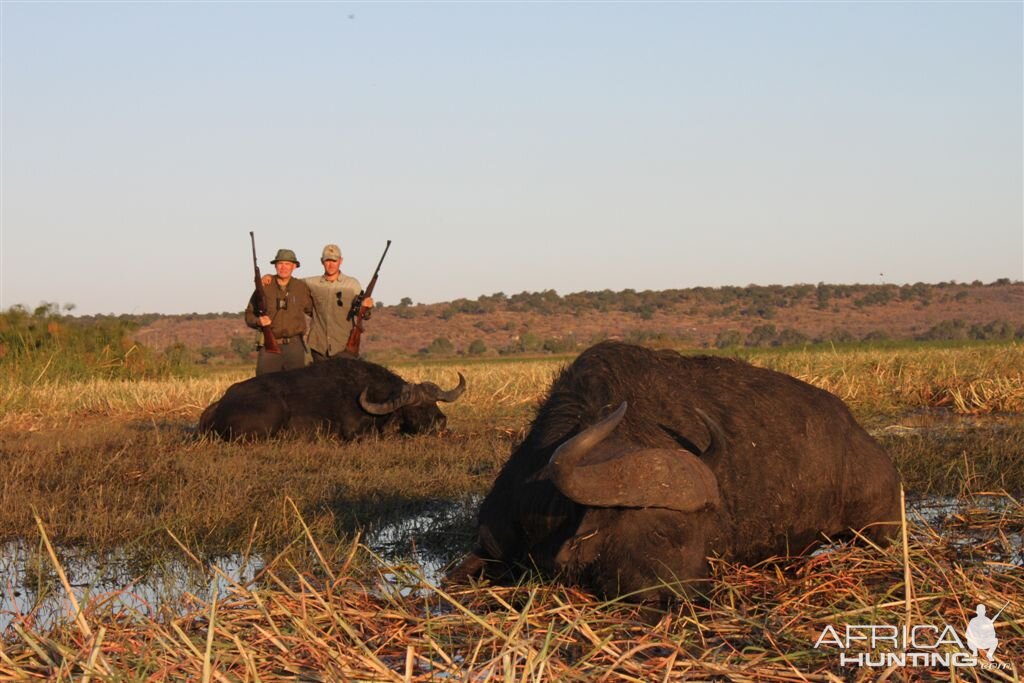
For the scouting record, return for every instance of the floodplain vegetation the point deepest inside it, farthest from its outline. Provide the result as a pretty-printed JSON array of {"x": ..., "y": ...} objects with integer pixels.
[{"x": 106, "y": 464}]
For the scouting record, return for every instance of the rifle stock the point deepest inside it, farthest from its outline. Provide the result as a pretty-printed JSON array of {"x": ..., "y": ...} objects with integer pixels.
[
  {"x": 357, "y": 314},
  {"x": 259, "y": 303}
]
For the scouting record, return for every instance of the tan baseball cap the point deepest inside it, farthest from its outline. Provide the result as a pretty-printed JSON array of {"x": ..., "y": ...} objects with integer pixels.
[{"x": 332, "y": 252}]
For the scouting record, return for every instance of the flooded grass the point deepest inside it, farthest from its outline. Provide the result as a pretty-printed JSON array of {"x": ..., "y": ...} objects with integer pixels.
[
  {"x": 358, "y": 618},
  {"x": 109, "y": 484},
  {"x": 140, "y": 508},
  {"x": 114, "y": 484},
  {"x": 955, "y": 457}
]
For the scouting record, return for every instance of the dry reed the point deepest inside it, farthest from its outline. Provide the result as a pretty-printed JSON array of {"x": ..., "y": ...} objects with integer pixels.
[
  {"x": 968, "y": 380},
  {"x": 367, "y": 621}
]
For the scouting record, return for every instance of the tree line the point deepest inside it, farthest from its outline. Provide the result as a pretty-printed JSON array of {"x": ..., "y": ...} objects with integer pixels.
[{"x": 754, "y": 301}]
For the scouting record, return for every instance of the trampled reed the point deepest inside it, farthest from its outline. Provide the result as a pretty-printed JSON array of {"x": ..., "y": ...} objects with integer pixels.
[{"x": 356, "y": 618}]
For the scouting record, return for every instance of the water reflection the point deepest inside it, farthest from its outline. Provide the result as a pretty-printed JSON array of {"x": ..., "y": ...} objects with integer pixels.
[
  {"x": 433, "y": 535},
  {"x": 975, "y": 529},
  {"x": 116, "y": 582},
  {"x": 425, "y": 536}
]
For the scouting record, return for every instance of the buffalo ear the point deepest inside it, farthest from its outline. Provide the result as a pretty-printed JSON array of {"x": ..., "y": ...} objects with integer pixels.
[{"x": 661, "y": 478}]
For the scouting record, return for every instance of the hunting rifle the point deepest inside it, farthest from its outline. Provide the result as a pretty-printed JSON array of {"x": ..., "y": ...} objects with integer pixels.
[
  {"x": 259, "y": 303},
  {"x": 357, "y": 314}
]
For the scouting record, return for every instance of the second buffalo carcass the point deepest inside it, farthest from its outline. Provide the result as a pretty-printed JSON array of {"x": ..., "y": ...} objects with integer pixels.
[
  {"x": 641, "y": 464},
  {"x": 347, "y": 397}
]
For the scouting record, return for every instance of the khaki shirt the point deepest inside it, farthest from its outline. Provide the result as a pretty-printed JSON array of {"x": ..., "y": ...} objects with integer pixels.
[
  {"x": 328, "y": 333},
  {"x": 287, "y": 308}
]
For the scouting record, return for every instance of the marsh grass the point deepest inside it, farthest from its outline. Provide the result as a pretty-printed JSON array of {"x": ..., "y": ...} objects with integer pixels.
[
  {"x": 105, "y": 486},
  {"x": 114, "y": 463},
  {"x": 359, "y": 619},
  {"x": 966, "y": 380},
  {"x": 952, "y": 458},
  {"x": 110, "y": 484}
]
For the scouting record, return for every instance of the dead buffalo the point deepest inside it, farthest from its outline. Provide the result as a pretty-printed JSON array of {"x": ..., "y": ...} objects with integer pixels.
[
  {"x": 641, "y": 464},
  {"x": 347, "y": 397}
]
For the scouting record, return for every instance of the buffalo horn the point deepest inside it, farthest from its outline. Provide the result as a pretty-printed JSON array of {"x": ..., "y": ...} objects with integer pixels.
[
  {"x": 652, "y": 477},
  {"x": 570, "y": 453},
  {"x": 406, "y": 397},
  {"x": 451, "y": 394},
  {"x": 717, "y": 444}
]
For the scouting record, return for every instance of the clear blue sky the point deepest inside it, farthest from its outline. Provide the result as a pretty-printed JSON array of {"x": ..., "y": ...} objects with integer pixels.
[{"x": 505, "y": 147}]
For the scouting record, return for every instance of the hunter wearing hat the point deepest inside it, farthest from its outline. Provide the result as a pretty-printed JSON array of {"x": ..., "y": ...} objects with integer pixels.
[
  {"x": 333, "y": 294},
  {"x": 288, "y": 304}
]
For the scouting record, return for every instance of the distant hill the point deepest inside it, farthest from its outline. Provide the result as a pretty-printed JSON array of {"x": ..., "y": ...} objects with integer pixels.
[{"x": 536, "y": 322}]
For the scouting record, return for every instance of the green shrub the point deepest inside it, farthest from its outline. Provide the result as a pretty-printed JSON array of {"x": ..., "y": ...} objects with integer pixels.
[
  {"x": 727, "y": 339},
  {"x": 441, "y": 346},
  {"x": 762, "y": 335},
  {"x": 791, "y": 337},
  {"x": 47, "y": 343}
]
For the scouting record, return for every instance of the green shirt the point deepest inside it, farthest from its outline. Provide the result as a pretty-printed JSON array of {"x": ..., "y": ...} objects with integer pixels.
[
  {"x": 288, "y": 307},
  {"x": 328, "y": 333}
]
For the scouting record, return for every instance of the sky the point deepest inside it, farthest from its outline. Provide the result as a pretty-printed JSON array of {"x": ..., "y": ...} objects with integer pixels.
[{"x": 504, "y": 146}]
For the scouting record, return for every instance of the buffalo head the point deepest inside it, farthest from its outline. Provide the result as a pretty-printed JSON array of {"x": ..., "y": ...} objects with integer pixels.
[{"x": 415, "y": 408}]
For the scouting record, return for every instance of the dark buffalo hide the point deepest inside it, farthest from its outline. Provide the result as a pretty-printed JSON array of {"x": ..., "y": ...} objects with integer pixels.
[
  {"x": 347, "y": 397},
  {"x": 641, "y": 464}
]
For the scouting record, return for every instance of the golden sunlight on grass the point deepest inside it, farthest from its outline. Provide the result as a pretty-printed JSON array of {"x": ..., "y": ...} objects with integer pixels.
[{"x": 967, "y": 380}]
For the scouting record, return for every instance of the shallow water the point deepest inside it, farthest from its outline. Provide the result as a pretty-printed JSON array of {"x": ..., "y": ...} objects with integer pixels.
[
  {"x": 427, "y": 538},
  {"x": 123, "y": 584},
  {"x": 967, "y": 526}
]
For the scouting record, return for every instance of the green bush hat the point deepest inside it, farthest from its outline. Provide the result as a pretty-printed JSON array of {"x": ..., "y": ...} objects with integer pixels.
[
  {"x": 332, "y": 252},
  {"x": 286, "y": 255}
]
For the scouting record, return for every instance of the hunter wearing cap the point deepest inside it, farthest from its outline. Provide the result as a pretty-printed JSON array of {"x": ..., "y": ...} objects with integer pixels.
[
  {"x": 288, "y": 304},
  {"x": 333, "y": 294}
]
